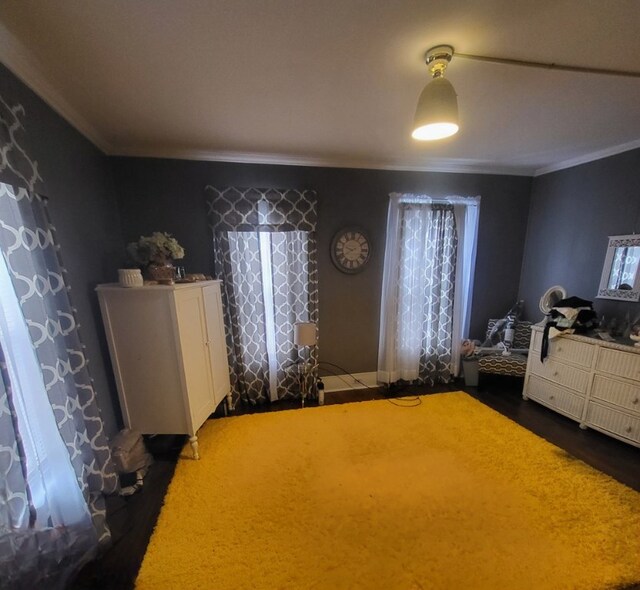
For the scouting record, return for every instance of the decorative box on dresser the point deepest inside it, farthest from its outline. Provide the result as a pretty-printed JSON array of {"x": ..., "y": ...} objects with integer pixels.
[
  {"x": 594, "y": 382},
  {"x": 169, "y": 355}
]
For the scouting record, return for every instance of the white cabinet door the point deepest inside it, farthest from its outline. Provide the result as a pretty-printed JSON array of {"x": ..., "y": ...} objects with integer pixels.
[
  {"x": 217, "y": 342},
  {"x": 192, "y": 328},
  {"x": 144, "y": 355}
]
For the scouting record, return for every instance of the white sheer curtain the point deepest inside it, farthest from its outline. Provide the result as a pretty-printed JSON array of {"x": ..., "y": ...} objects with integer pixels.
[
  {"x": 55, "y": 494},
  {"x": 427, "y": 286},
  {"x": 269, "y": 271},
  {"x": 467, "y": 212},
  {"x": 55, "y": 461}
]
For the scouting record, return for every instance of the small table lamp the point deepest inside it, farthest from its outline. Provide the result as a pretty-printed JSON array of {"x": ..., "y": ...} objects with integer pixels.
[{"x": 305, "y": 334}]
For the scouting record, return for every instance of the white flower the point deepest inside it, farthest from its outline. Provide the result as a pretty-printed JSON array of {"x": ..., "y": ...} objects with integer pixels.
[{"x": 158, "y": 247}]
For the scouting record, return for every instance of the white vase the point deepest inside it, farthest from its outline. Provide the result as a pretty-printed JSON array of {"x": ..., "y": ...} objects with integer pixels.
[{"x": 130, "y": 277}]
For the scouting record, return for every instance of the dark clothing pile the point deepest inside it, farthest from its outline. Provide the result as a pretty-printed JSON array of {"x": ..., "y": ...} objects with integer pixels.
[{"x": 570, "y": 316}]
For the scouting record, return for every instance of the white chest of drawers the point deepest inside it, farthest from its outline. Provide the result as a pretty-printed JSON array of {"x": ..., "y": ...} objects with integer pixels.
[{"x": 594, "y": 382}]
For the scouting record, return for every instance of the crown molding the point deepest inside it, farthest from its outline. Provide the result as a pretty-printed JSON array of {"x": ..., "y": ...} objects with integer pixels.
[
  {"x": 456, "y": 166},
  {"x": 592, "y": 157},
  {"x": 19, "y": 60}
]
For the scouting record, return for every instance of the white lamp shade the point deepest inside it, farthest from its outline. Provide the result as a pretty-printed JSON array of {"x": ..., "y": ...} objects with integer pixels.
[
  {"x": 437, "y": 111},
  {"x": 305, "y": 334}
]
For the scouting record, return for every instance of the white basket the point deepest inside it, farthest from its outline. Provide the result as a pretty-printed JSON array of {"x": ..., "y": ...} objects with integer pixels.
[{"x": 130, "y": 277}]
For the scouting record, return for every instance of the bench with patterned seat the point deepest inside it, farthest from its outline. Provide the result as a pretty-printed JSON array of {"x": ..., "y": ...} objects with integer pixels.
[{"x": 514, "y": 364}]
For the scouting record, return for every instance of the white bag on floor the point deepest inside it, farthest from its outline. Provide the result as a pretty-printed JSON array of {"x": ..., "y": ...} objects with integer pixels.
[
  {"x": 128, "y": 452},
  {"x": 130, "y": 456}
]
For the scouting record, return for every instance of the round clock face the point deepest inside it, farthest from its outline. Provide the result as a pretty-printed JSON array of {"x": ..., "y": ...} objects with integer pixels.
[{"x": 350, "y": 250}]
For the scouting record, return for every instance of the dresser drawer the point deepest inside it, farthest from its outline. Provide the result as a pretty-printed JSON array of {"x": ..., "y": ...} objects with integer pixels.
[
  {"x": 565, "y": 375},
  {"x": 565, "y": 350},
  {"x": 618, "y": 393},
  {"x": 619, "y": 423},
  {"x": 616, "y": 362},
  {"x": 555, "y": 397}
]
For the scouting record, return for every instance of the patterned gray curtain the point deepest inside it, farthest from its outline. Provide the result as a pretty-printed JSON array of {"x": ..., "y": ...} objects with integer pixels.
[
  {"x": 418, "y": 293},
  {"x": 265, "y": 253},
  {"x": 30, "y": 556},
  {"x": 28, "y": 245}
]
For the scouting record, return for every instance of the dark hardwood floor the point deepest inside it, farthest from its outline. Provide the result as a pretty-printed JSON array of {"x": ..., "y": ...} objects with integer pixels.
[{"x": 132, "y": 519}]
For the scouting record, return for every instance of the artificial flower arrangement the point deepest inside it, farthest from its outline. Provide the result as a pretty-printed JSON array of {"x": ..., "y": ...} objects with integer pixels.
[{"x": 158, "y": 248}]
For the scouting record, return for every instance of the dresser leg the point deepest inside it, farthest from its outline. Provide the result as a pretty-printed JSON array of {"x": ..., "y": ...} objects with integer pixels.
[
  {"x": 525, "y": 397},
  {"x": 583, "y": 426},
  {"x": 194, "y": 447}
]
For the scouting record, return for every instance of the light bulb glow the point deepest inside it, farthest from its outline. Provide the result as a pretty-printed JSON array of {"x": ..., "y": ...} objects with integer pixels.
[{"x": 435, "y": 131}]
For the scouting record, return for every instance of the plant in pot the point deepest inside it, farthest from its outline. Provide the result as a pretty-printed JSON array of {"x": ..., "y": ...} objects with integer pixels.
[{"x": 155, "y": 254}]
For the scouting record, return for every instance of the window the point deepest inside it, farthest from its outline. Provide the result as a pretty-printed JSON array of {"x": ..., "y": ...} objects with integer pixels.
[
  {"x": 264, "y": 244},
  {"x": 427, "y": 286}
]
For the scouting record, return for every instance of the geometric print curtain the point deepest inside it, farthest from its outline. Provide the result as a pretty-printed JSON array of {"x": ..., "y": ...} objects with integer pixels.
[
  {"x": 265, "y": 252},
  {"x": 30, "y": 250},
  {"x": 418, "y": 293}
]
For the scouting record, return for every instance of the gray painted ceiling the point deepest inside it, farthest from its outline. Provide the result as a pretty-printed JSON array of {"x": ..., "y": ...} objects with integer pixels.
[{"x": 332, "y": 82}]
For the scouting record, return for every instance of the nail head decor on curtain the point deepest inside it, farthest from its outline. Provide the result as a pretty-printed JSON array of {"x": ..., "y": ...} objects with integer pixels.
[{"x": 265, "y": 248}]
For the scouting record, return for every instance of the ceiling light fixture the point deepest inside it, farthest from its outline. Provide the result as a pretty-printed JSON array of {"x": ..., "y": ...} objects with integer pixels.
[{"x": 437, "y": 111}]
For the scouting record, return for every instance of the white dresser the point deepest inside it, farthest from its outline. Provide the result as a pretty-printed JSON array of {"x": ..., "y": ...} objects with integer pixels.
[
  {"x": 169, "y": 355},
  {"x": 594, "y": 382}
]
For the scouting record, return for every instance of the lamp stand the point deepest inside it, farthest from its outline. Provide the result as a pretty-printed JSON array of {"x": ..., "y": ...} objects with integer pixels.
[
  {"x": 306, "y": 379},
  {"x": 305, "y": 336}
]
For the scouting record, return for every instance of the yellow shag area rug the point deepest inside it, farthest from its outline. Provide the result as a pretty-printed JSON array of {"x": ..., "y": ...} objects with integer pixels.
[{"x": 448, "y": 494}]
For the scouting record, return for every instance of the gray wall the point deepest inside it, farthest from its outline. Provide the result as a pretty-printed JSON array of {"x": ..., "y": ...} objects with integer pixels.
[
  {"x": 572, "y": 213},
  {"x": 168, "y": 195},
  {"x": 77, "y": 179}
]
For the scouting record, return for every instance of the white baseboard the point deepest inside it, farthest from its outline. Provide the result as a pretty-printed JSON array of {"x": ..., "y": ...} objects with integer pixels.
[{"x": 345, "y": 382}]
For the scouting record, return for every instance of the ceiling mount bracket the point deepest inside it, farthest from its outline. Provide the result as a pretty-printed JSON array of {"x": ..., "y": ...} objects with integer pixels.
[{"x": 437, "y": 59}]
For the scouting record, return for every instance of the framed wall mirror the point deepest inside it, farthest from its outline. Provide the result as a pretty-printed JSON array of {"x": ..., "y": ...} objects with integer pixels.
[{"x": 621, "y": 271}]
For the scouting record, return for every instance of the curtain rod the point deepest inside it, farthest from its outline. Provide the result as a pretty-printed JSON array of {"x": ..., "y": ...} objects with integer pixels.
[
  {"x": 548, "y": 66},
  {"x": 450, "y": 200}
]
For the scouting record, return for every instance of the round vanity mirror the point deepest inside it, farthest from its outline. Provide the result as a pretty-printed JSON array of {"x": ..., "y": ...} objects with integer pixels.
[{"x": 550, "y": 298}]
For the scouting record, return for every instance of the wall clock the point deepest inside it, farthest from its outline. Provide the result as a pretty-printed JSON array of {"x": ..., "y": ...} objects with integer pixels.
[{"x": 350, "y": 249}]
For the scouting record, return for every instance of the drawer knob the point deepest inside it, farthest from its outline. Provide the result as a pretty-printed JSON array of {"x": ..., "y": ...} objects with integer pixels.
[
  {"x": 628, "y": 429},
  {"x": 635, "y": 401},
  {"x": 552, "y": 397},
  {"x": 555, "y": 373},
  {"x": 559, "y": 348}
]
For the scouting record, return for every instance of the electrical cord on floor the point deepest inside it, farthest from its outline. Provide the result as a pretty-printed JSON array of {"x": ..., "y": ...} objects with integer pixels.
[
  {"x": 339, "y": 375},
  {"x": 345, "y": 372},
  {"x": 413, "y": 401}
]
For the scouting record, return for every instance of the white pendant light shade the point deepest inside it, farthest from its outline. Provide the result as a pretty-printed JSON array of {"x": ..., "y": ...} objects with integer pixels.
[{"x": 437, "y": 111}]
